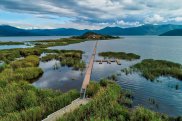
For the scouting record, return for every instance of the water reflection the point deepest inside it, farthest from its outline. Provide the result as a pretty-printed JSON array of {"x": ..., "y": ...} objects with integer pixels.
[{"x": 63, "y": 78}]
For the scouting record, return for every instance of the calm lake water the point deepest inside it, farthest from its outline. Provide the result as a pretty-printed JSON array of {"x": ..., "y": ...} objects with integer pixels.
[
  {"x": 29, "y": 38},
  {"x": 23, "y": 39},
  {"x": 168, "y": 99}
]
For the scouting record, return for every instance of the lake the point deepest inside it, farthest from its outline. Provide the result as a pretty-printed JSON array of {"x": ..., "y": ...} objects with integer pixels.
[
  {"x": 23, "y": 39},
  {"x": 29, "y": 38},
  {"x": 167, "y": 99}
]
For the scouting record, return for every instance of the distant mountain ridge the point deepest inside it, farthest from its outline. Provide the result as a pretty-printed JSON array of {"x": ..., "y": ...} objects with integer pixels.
[
  {"x": 176, "y": 32},
  {"x": 6, "y": 30}
]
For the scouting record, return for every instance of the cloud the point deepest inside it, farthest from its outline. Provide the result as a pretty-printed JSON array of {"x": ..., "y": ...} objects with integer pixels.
[
  {"x": 154, "y": 19},
  {"x": 178, "y": 19},
  {"x": 127, "y": 24},
  {"x": 94, "y": 13}
]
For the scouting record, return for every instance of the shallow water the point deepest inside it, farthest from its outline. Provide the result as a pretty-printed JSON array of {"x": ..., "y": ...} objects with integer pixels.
[
  {"x": 168, "y": 99},
  {"x": 23, "y": 39},
  {"x": 2, "y": 47},
  {"x": 29, "y": 38}
]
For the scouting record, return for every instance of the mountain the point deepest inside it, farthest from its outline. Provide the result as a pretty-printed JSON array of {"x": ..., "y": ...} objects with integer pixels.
[
  {"x": 58, "y": 32},
  {"x": 148, "y": 29},
  {"x": 176, "y": 32},
  {"x": 6, "y": 30},
  {"x": 141, "y": 30}
]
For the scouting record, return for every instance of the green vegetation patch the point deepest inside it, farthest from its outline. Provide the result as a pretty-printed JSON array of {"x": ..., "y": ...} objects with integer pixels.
[
  {"x": 11, "y": 54},
  {"x": 59, "y": 55},
  {"x": 23, "y": 102},
  {"x": 119, "y": 55},
  {"x": 70, "y": 58},
  {"x": 28, "y": 74},
  {"x": 29, "y": 61},
  {"x": 24, "y": 69},
  {"x": 152, "y": 69},
  {"x": 94, "y": 36},
  {"x": 77, "y": 64},
  {"x": 11, "y": 43},
  {"x": 105, "y": 106},
  {"x": 58, "y": 42}
]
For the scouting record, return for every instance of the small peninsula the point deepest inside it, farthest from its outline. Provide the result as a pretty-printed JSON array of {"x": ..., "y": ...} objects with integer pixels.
[{"x": 94, "y": 36}]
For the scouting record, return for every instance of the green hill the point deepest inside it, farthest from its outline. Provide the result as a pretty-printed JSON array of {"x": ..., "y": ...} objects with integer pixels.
[{"x": 176, "y": 32}]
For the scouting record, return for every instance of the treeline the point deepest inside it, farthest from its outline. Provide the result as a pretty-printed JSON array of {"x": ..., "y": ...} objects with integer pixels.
[{"x": 106, "y": 106}]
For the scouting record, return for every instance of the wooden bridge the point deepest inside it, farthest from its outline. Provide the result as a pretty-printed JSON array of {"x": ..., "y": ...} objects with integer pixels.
[
  {"x": 88, "y": 73},
  {"x": 82, "y": 100}
]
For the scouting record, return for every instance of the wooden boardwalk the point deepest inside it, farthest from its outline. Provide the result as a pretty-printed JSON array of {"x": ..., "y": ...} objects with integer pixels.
[
  {"x": 80, "y": 101},
  {"x": 88, "y": 73},
  {"x": 71, "y": 107}
]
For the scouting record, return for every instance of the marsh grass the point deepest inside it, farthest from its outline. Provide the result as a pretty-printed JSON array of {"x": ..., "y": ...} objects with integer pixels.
[
  {"x": 58, "y": 42},
  {"x": 105, "y": 106},
  {"x": 152, "y": 69},
  {"x": 11, "y": 43},
  {"x": 11, "y": 54},
  {"x": 29, "y": 61},
  {"x": 120, "y": 55},
  {"x": 70, "y": 58},
  {"x": 24, "y": 69},
  {"x": 23, "y": 102}
]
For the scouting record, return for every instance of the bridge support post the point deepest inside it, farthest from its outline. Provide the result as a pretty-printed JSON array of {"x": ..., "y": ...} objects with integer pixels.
[{"x": 83, "y": 93}]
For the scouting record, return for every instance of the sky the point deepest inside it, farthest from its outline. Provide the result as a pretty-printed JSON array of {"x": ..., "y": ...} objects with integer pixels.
[{"x": 88, "y": 14}]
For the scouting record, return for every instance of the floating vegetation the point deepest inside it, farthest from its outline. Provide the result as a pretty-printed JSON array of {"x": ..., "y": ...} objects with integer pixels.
[
  {"x": 152, "y": 69},
  {"x": 112, "y": 77},
  {"x": 49, "y": 57},
  {"x": 177, "y": 86},
  {"x": 118, "y": 74},
  {"x": 77, "y": 64},
  {"x": 119, "y": 55},
  {"x": 158, "y": 81},
  {"x": 56, "y": 66},
  {"x": 153, "y": 102},
  {"x": 126, "y": 98},
  {"x": 127, "y": 71},
  {"x": 70, "y": 58}
]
